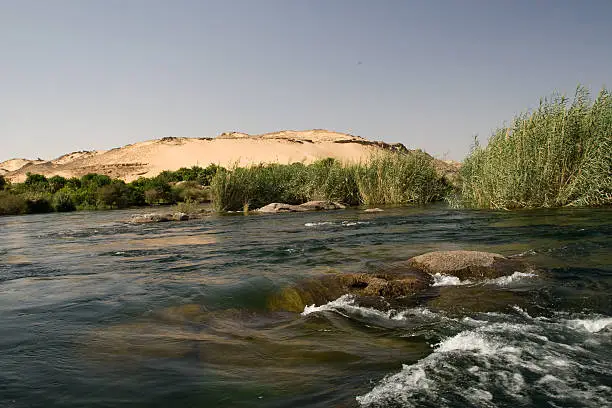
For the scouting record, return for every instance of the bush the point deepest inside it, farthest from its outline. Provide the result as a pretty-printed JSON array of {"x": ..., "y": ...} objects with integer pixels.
[
  {"x": 62, "y": 201},
  {"x": 191, "y": 191},
  {"x": 558, "y": 155},
  {"x": 11, "y": 204},
  {"x": 38, "y": 203},
  {"x": 36, "y": 183},
  {"x": 94, "y": 179},
  {"x": 3, "y": 183},
  {"x": 56, "y": 183},
  {"x": 115, "y": 195},
  {"x": 156, "y": 190}
]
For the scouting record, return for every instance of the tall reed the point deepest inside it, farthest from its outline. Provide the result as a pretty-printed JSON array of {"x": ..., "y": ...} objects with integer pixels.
[
  {"x": 398, "y": 178},
  {"x": 558, "y": 155},
  {"x": 387, "y": 178}
]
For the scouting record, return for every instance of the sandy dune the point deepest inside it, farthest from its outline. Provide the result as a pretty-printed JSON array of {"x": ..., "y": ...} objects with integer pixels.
[{"x": 151, "y": 157}]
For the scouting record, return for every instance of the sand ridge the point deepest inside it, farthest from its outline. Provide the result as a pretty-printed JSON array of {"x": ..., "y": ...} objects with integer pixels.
[{"x": 151, "y": 157}]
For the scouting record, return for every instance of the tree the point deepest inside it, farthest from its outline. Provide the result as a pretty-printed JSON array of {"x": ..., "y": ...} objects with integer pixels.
[
  {"x": 62, "y": 201},
  {"x": 95, "y": 179},
  {"x": 36, "y": 182},
  {"x": 56, "y": 183},
  {"x": 115, "y": 195},
  {"x": 3, "y": 183}
]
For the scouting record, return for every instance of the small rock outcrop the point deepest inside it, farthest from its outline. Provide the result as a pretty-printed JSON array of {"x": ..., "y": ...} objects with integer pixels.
[
  {"x": 157, "y": 217},
  {"x": 400, "y": 284},
  {"x": 467, "y": 264},
  {"x": 309, "y": 206},
  {"x": 373, "y": 210}
]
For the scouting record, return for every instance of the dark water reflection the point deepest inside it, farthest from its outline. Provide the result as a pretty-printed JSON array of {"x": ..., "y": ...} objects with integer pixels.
[{"x": 97, "y": 312}]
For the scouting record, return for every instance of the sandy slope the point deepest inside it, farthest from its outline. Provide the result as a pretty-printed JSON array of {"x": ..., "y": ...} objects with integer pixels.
[
  {"x": 15, "y": 164},
  {"x": 151, "y": 157}
]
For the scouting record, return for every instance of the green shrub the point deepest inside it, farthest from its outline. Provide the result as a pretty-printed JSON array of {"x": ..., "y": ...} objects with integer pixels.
[
  {"x": 115, "y": 195},
  {"x": 11, "y": 204},
  {"x": 85, "y": 197},
  {"x": 189, "y": 207},
  {"x": 191, "y": 191},
  {"x": 3, "y": 183},
  {"x": 96, "y": 180},
  {"x": 62, "y": 201},
  {"x": 38, "y": 203},
  {"x": 156, "y": 190},
  {"x": 56, "y": 183},
  {"x": 35, "y": 183},
  {"x": 558, "y": 155}
]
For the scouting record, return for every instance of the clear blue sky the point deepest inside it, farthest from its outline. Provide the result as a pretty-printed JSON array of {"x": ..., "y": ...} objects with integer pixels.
[{"x": 84, "y": 74}]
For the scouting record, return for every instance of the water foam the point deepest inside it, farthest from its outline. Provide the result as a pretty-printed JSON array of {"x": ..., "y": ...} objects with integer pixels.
[
  {"x": 488, "y": 365},
  {"x": 450, "y": 280},
  {"x": 514, "y": 278},
  {"x": 318, "y": 224},
  {"x": 591, "y": 325},
  {"x": 346, "y": 306},
  {"x": 342, "y": 223}
]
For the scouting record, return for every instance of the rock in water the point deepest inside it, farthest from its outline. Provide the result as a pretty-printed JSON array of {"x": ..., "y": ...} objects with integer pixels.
[
  {"x": 156, "y": 217},
  {"x": 467, "y": 264},
  {"x": 309, "y": 206},
  {"x": 322, "y": 205},
  {"x": 403, "y": 283},
  {"x": 180, "y": 216},
  {"x": 373, "y": 210}
]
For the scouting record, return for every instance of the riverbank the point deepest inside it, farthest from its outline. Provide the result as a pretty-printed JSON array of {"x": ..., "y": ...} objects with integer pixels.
[{"x": 555, "y": 156}]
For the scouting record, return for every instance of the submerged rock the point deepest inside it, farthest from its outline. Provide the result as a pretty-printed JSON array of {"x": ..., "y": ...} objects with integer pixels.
[
  {"x": 380, "y": 289},
  {"x": 467, "y": 264},
  {"x": 308, "y": 206}
]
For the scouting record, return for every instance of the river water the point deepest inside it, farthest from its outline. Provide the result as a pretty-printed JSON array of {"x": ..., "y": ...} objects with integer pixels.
[{"x": 96, "y": 312}]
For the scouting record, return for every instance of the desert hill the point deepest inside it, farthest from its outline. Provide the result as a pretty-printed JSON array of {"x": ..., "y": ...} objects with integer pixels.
[{"x": 151, "y": 157}]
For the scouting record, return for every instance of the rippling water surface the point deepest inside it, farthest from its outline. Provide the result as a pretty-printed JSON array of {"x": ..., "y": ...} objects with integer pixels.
[{"x": 97, "y": 312}]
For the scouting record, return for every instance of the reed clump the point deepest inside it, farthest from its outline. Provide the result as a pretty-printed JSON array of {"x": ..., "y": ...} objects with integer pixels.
[
  {"x": 558, "y": 155},
  {"x": 387, "y": 178},
  {"x": 398, "y": 178}
]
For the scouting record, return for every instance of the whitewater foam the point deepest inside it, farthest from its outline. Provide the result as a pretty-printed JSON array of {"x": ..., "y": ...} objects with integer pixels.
[
  {"x": 346, "y": 306},
  {"x": 591, "y": 325},
  {"x": 514, "y": 278},
  {"x": 499, "y": 356},
  {"x": 318, "y": 224},
  {"x": 448, "y": 280},
  {"x": 342, "y": 223}
]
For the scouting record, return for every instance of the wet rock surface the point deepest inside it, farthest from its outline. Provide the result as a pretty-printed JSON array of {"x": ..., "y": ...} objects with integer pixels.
[
  {"x": 163, "y": 217},
  {"x": 373, "y": 210},
  {"x": 380, "y": 289},
  {"x": 308, "y": 206},
  {"x": 158, "y": 217},
  {"x": 472, "y": 265},
  {"x": 398, "y": 284}
]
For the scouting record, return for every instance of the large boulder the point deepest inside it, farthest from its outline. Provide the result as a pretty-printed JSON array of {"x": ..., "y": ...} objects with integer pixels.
[
  {"x": 471, "y": 265},
  {"x": 309, "y": 206}
]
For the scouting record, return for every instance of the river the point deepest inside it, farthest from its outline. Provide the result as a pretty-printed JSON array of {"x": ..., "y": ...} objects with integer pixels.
[{"x": 97, "y": 312}]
